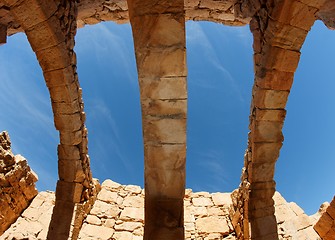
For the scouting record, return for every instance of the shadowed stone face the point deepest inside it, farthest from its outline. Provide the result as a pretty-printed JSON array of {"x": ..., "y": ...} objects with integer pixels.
[{"x": 279, "y": 29}]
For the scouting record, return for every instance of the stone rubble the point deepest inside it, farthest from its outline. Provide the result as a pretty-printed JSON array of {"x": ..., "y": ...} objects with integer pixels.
[
  {"x": 17, "y": 184},
  {"x": 118, "y": 214}
]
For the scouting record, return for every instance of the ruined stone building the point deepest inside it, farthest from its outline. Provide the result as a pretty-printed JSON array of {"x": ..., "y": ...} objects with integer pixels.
[{"x": 81, "y": 208}]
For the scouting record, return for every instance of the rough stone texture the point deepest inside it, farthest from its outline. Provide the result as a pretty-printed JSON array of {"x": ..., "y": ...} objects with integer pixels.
[
  {"x": 50, "y": 31},
  {"x": 226, "y": 12},
  {"x": 325, "y": 226},
  {"x": 159, "y": 33},
  {"x": 17, "y": 184},
  {"x": 93, "y": 12},
  {"x": 279, "y": 29},
  {"x": 121, "y": 218}
]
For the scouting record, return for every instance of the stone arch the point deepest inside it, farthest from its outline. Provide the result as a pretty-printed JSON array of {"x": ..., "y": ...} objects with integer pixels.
[
  {"x": 50, "y": 31},
  {"x": 279, "y": 30}
]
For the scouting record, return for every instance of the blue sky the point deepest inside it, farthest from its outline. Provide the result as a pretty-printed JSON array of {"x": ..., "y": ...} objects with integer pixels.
[{"x": 220, "y": 77}]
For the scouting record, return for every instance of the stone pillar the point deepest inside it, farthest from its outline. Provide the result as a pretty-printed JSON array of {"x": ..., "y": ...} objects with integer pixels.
[
  {"x": 50, "y": 31},
  {"x": 279, "y": 29},
  {"x": 159, "y": 38}
]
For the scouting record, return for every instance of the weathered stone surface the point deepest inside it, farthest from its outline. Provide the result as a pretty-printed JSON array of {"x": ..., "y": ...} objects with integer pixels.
[
  {"x": 212, "y": 225},
  {"x": 279, "y": 29},
  {"x": 325, "y": 226},
  {"x": 108, "y": 220},
  {"x": 17, "y": 184}
]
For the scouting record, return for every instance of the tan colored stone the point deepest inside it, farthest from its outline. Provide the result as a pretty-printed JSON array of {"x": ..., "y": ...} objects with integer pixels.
[
  {"x": 123, "y": 235},
  {"x": 107, "y": 196},
  {"x": 269, "y": 99},
  {"x": 92, "y": 219},
  {"x": 165, "y": 130},
  {"x": 131, "y": 213},
  {"x": 133, "y": 189},
  {"x": 103, "y": 209},
  {"x": 212, "y": 225},
  {"x": 128, "y": 226},
  {"x": 95, "y": 232},
  {"x": 202, "y": 202},
  {"x": 267, "y": 131},
  {"x": 221, "y": 199},
  {"x": 134, "y": 201},
  {"x": 111, "y": 185},
  {"x": 296, "y": 209},
  {"x": 109, "y": 223}
]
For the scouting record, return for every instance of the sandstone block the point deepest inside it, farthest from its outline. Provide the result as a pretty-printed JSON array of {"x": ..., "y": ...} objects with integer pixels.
[
  {"x": 300, "y": 15},
  {"x": 269, "y": 99},
  {"x": 267, "y": 131},
  {"x": 202, "y": 202},
  {"x": 281, "y": 59},
  {"x": 68, "y": 152},
  {"x": 131, "y": 213},
  {"x": 165, "y": 156},
  {"x": 159, "y": 31},
  {"x": 95, "y": 232},
  {"x": 151, "y": 8},
  {"x": 122, "y": 235},
  {"x": 94, "y": 220},
  {"x": 69, "y": 191},
  {"x": 60, "y": 77},
  {"x": 261, "y": 172},
  {"x": 164, "y": 108},
  {"x": 296, "y": 209},
  {"x": 168, "y": 183},
  {"x": 264, "y": 227},
  {"x": 286, "y": 36},
  {"x": 71, "y": 138},
  {"x": 133, "y": 189},
  {"x": 134, "y": 201},
  {"x": 46, "y": 34},
  {"x": 270, "y": 115},
  {"x": 68, "y": 123},
  {"x": 164, "y": 88},
  {"x": 212, "y": 225},
  {"x": 103, "y": 209},
  {"x": 110, "y": 185},
  {"x": 164, "y": 130},
  {"x": 265, "y": 152},
  {"x": 107, "y": 196},
  {"x": 323, "y": 226},
  {"x": 128, "y": 226},
  {"x": 172, "y": 63},
  {"x": 220, "y": 199},
  {"x": 67, "y": 93},
  {"x": 273, "y": 79},
  {"x": 42, "y": 11},
  {"x": 53, "y": 58}
]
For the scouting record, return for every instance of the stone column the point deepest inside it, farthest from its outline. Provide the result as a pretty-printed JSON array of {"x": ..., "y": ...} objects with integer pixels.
[
  {"x": 159, "y": 37},
  {"x": 50, "y": 31},
  {"x": 279, "y": 29}
]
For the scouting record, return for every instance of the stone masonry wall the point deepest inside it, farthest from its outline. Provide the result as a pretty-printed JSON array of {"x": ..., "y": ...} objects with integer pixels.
[
  {"x": 118, "y": 214},
  {"x": 325, "y": 227},
  {"x": 17, "y": 184}
]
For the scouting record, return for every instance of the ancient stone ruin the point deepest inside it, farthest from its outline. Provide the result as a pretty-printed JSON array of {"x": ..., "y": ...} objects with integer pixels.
[{"x": 78, "y": 210}]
